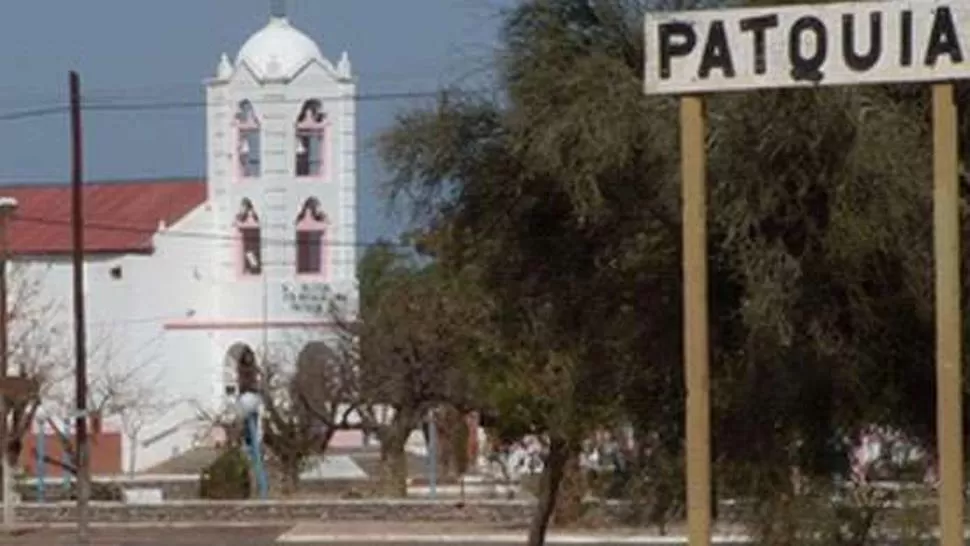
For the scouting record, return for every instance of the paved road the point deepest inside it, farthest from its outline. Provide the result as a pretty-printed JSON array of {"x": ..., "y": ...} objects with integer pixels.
[
  {"x": 457, "y": 533},
  {"x": 150, "y": 537},
  {"x": 267, "y": 536},
  {"x": 520, "y": 543}
]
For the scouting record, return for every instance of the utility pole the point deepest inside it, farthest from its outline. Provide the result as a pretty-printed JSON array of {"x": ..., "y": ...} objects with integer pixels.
[{"x": 80, "y": 371}]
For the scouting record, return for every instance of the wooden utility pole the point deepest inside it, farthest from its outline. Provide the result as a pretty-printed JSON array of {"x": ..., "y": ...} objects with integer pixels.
[
  {"x": 80, "y": 349},
  {"x": 696, "y": 352},
  {"x": 949, "y": 361}
]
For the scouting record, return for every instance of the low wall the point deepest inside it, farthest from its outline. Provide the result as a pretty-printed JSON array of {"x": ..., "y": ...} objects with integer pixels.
[
  {"x": 506, "y": 512},
  {"x": 511, "y": 512},
  {"x": 186, "y": 487}
]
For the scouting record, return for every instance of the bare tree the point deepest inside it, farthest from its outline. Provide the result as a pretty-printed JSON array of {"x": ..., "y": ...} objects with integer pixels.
[
  {"x": 408, "y": 354},
  {"x": 133, "y": 391},
  {"x": 303, "y": 410},
  {"x": 124, "y": 386},
  {"x": 37, "y": 348}
]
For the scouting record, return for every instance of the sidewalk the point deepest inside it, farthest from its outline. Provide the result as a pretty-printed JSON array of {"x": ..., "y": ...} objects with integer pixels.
[{"x": 458, "y": 533}]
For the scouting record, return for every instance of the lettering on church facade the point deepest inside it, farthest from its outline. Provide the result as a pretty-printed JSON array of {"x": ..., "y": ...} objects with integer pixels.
[
  {"x": 800, "y": 46},
  {"x": 307, "y": 297}
]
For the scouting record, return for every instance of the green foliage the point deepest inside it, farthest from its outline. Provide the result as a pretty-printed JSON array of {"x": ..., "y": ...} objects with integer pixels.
[
  {"x": 100, "y": 492},
  {"x": 558, "y": 201},
  {"x": 860, "y": 515},
  {"x": 380, "y": 264},
  {"x": 227, "y": 477},
  {"x": 419, "y": 336}
]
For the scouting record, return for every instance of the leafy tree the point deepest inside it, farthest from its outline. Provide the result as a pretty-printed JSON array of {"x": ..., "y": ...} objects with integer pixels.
[
  {"x": 303, "y": 411},
  {"x": 559, "y": 197},
  {"x": 558, "y": 200},
  {"x": 409, "y": 349}
]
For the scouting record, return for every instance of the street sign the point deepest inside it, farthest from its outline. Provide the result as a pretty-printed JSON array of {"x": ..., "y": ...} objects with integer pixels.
[
  {"x": 18, "y": 388},
  {"x": 807, "y": 45},
  {"x": 695, "y": 52}
]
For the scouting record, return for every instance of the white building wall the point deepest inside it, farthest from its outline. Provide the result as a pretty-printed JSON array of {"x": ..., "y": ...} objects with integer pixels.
[
  {"x": 176, "y": 283},
  {"x": 278, "y": 195},
  {"x": 174, "y": 313}
]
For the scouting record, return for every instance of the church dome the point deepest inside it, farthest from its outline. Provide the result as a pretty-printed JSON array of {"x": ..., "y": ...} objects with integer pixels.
[{"x": 278, "y": 50}]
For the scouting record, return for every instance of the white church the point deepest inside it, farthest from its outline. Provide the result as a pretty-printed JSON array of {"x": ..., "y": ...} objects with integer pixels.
[{"x": 183, "y": 278}]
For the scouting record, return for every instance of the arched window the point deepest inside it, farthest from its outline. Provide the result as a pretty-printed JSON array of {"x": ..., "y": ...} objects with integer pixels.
[
  {"x": 248, "y": 150},
  {"x": 311, "y": 227},
  {"x": 310, "y": 127},
  {"x": 250, "y": 248}
]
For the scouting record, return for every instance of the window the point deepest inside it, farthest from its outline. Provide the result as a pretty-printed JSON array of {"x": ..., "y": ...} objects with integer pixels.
[
  {"x": 309, "y": 252},
  {"x": 247, "y": 223},
  {"x": 311, "y": 226},
  {"x": 309, "y": 143},
  {"x": 249, "y": 146},
  {"x": 252, "y": 261}
]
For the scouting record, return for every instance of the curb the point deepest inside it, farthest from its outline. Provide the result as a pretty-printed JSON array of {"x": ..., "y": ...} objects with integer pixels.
[{"x": 472, "y": 538}]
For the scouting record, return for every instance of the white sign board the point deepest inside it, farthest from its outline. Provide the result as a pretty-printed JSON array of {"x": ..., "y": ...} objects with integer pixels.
[
  {"x": 803, "y": 46},
  {"x": 143, "y": 496}
]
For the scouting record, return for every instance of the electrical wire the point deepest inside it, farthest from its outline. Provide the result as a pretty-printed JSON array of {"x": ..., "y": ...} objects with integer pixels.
[
  {"x": 100, "y": 226},
  {"x": 33, "y": 113},
  {"x": 115, "y": 106},
  {"x": 164, "y": 105},
  {"x": 143, "y": 106}
]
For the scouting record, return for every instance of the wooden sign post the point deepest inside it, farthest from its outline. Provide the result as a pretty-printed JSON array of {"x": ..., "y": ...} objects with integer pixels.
[{"x": 695, "y": 52}]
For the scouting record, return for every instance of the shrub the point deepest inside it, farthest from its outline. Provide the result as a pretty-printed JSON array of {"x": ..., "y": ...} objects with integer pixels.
[
  {"x": 227, "y": 477},
  {"x": 99, "y": 492}
]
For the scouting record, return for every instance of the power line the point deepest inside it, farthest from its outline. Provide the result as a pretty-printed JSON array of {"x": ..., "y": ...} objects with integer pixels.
[
  {"x": 25, "y": 95},
  {"x": 282, "y": 242},
  {"x": 95, "y": 105},
  {"x": 168, "y": 105},
  {"x": 88, "y": 225},
  {"x": 33, "y": 113}
]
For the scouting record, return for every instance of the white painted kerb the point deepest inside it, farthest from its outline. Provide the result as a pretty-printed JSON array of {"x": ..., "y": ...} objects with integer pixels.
[{"x": 294, "y": 537}]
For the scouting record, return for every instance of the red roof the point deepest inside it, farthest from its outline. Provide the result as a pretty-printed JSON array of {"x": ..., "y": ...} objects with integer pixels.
[{"x": 119, "y": 216}]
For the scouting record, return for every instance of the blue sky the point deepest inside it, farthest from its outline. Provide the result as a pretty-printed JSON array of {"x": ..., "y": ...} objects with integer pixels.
[{"x": 144, "y": 51}]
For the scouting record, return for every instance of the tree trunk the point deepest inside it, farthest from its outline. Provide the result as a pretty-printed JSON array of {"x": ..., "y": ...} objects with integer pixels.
[
  {"x": 290, "y": 476},
  {"x": 394, "y": 465},
  {"x": 552, "y": 475},
  {"x": 449, "y": 434},
  {"x": 132, "y": 453},
  {"x": 572, "y": 490}
]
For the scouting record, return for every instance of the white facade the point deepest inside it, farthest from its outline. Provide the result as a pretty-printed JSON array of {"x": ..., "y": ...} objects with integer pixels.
[{"x": 176, "y": 312}]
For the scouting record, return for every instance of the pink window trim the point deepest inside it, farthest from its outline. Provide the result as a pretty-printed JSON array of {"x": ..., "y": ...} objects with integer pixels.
[
  {"x": 240, "y": 130},
  {"x": 324, "y": 154},
  {"x": 311, "y": 225},
  {"x": 323, "y": 129},
  {"x": 239, "y": 246},
  {"x": 244, "y": 127}
]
